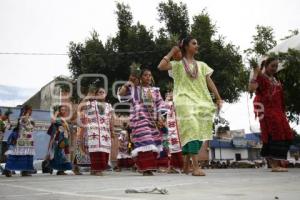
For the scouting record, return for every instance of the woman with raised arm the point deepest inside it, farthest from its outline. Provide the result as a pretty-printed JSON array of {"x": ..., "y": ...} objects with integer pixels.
[
  {"x": 146, "y": 106},
  {"x": 276, "y": 133},
  {"x": 58, "y": 148},
  {"x": 192, "y": 99}
]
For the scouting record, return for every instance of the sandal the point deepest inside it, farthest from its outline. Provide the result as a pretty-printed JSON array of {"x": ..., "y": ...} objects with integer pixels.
[
  {"x": 61, "y": 173},
  {"x": 76, "y": 171},
  {"x": 148, "y": 173},
  {"x": 7, "y": 173},
  {"x": 25, "y": 173}
]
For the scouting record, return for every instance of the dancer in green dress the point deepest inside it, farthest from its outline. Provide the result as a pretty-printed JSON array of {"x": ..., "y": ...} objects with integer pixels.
[{"x": 193, "y": 102}]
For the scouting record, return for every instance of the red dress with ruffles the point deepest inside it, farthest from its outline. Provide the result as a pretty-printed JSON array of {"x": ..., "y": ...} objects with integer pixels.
[{"x": 269, "y": 107}]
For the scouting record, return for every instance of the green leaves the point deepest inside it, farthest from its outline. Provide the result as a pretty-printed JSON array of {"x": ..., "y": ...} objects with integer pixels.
[
  {"x": 224, "y": 58},
  {"x": 290, "y": 78},
  {"x": 137, "y": 43},
  {"x": 175, "y": 16},
  {"x": 263, "y": 41}
]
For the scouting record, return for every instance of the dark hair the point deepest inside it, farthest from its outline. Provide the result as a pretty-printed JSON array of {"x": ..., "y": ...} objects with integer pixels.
[
  {"x": 184, "y": 43},
  {"x": 266, "y": 62},
  {"x": 144, "y": 70},
  {"x": 98, "y": 89},
  {"x": 60, "y": 107},
  {"x": 25, "y": 109},
  {"x": 92, "y": 89}
]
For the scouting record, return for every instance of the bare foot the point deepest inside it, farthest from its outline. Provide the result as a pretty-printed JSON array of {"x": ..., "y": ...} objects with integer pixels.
[
  {"x": 172, "y": 171},
  {"x": 95, "y": 173},
  {"x": 162, "y": 170},
  {"x": 186, "y": 171},
  {"x": 118, "y": 170},
  {"x": 92, "y": 172},
  {"x": 284, "y": 169},
  {"x": 76, "y": 172},
  {"x": 279, "y": 169},
  {"x": 99, "y": 174},
  {"x": 198, "y": 172}
]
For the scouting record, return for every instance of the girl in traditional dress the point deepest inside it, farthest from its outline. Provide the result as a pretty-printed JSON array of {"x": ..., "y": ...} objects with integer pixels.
[
  {"x": 276, "y": 133},
  {"x": 124, "y": 155},
  {"x": 176, "y": 161},
  {"x": 163, "y": 163},
  {"x": 21, "y": 150},
  {"x": 4, "y": 124},
  {"x": 193, "y": 102},
  {"x": 82, "y": 148},
  {"x": 146, "y": 106},
  {"x": 74, "y": 141},
  {"x": 58, "y": 149},
  {"x": 100, "y": 130}
]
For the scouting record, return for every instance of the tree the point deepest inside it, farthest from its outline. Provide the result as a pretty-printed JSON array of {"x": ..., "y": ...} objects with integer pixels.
[
  {"x": 230, "y": 74},
  {"x": 290, "y": 78},
  {"x": 136, "y": 43},
  {"x": 263, "y": 41},
  {"x": 203, "y": 28},
  {"x": 175, "y": 16},
  {"x": 132, "y": 43},
  {"x": 124, "y": 24},
  {"x": 88, "y": 58},
  {"x": 292, "y": 33}
]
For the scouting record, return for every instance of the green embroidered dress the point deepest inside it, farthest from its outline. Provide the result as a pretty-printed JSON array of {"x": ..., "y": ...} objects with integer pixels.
[{"x": 193, "y": 102}]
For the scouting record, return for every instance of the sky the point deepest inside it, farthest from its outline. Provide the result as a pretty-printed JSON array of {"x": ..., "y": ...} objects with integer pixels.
[{"x": 34, "y": 26}]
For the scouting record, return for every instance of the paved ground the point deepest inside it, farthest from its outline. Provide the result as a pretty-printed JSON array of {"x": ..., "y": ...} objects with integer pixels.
[{"x": 218, "y": 184}]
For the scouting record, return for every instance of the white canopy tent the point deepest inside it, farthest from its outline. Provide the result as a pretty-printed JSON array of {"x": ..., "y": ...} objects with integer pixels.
[{"x": 290, "y": 43}]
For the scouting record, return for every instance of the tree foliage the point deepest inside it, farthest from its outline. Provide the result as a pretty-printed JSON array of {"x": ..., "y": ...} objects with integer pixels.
[
  {"x": 263, "y": 41},
  {"x": 290, "y": 78},
  {"x": 134, "y": 42},
  {"x": 175, "y": 17}
]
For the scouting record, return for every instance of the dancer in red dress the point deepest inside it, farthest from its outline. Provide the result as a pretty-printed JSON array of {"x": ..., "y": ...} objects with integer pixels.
[{"x": 276, "y": 133}]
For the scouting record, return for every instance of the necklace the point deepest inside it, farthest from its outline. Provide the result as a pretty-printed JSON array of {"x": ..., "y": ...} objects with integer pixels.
[
  {"x": 146, "y": 97},
  {"x": 273, "y": 85},
  {"x": 148, "y": 101},
  {"x": 192, "y": 73},
  {"x": 272, "y": 79}
]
